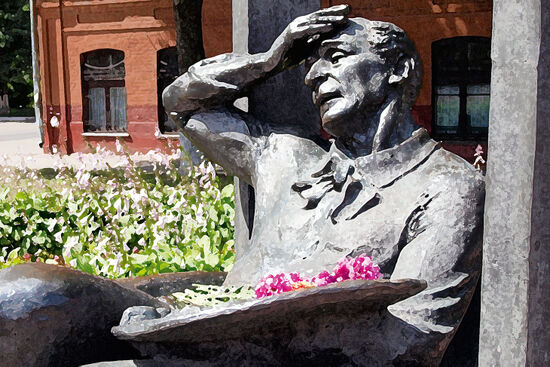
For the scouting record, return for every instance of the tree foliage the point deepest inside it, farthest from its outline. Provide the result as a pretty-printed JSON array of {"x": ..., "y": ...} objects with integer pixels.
[{"x": 15, "y": 52}]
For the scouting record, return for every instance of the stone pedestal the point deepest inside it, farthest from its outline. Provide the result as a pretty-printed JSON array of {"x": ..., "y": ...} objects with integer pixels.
[{"x": 515, "y": 312}]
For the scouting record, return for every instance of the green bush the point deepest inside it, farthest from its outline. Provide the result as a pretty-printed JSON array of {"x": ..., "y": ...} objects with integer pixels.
[{"x": 118, "y": 222}]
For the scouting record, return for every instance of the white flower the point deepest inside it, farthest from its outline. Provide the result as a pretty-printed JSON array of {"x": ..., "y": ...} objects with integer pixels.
[{"x": 119, "y": 147}]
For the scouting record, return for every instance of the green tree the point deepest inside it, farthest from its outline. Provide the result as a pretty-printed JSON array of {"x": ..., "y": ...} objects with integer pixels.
[{"x": 15, "y": 52}]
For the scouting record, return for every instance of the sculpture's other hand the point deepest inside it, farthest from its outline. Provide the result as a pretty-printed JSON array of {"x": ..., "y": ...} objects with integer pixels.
[{"x": 291, "y": 47}]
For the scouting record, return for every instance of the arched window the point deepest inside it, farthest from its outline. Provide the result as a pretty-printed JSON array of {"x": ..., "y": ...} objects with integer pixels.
[
  {"x": 167, "y": 72},
  {"x": 103, "y": 90},
  {"x": 461, "y": 76}
]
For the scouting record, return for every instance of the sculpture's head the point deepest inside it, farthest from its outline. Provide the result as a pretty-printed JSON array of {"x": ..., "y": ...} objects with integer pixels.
[{"x": 356, "y": 70}]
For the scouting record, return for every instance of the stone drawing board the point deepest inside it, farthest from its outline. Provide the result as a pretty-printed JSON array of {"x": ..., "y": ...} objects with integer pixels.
[{"x": 239, "y": 319}]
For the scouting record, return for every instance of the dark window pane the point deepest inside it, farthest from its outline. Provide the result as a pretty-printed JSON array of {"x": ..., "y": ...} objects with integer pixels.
[
  {"x": 477, "y": 105},
  {"x": 448, "y": 90},
  {"x": 461, "y": 87},
  {"x": 168, "y": 64},
  {"x": 103, "y": 75},
  {"x": 477, "y": 108},
  {"x": 448, "y": 111},
  {"x": 479, "y": 56},
  {"x": 103, "y": 58},
  {"x": 478, "y": 89},
  {"x": 167, "y": 69}
]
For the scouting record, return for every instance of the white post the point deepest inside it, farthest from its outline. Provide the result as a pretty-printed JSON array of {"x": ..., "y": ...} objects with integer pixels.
[{"x": 36, "y": 72}]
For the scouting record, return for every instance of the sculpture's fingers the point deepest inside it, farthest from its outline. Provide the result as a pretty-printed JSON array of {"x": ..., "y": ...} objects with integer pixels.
[
  {"x": 312, "y": 29},
  {"x": 321, "y": 20},
  {"x": 325, "y": 20},
  {"x": 333, "y": 10},
  {"x": 331, "y": 19}
]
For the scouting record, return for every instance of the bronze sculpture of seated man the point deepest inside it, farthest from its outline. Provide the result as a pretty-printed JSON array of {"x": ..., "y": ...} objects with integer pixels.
[{"x": 381, "y": 186}]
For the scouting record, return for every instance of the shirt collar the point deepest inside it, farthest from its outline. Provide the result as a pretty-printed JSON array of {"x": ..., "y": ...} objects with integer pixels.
[{"x": 383, "y": 168}]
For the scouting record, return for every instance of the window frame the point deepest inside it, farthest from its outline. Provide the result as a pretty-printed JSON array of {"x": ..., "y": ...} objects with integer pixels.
[
  {"x": 106, "y": 85},
  {"x": 462, "y": 78}
]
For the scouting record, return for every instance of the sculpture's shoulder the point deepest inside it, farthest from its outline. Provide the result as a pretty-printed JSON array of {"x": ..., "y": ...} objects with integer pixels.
[{"x": 455, "y": 179}]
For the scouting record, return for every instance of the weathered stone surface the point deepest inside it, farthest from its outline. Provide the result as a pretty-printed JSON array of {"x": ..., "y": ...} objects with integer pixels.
[
  {"x": 54, "y": 316},
  {"x": 305, "y": 326},
  {"x": 515, "y": 312},
  {"x": 257, "y": 24},
  {"x": 538, "y": 347}
]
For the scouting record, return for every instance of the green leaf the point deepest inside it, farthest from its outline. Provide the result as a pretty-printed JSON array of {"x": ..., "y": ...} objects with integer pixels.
[
  {"x": 212, "y": 260},
  {"x": 227, "y": 191},
  {"x": 204, "y": 243}
]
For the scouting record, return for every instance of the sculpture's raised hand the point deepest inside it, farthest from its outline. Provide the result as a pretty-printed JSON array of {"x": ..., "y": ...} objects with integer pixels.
[{"x": 291, "y": 47}]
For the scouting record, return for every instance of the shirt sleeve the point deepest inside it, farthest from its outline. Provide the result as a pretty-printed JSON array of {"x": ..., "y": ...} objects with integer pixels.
[
  {"x": 443, "y": 239},
  {"x": 224, "y": 136}
]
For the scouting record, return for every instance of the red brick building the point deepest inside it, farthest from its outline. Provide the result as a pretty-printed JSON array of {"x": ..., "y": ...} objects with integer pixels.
[
  {"x": 100, "y": 64},
  {"x": 104, "y": 62}
]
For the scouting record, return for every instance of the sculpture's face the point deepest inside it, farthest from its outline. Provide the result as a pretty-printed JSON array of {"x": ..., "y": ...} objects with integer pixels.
[{"x": 346, "y": 77}]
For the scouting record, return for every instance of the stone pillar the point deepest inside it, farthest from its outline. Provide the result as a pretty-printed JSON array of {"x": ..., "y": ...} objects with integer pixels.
[
  {"x": 515, "y": 305},
  {"x": 283, "y": 99}
]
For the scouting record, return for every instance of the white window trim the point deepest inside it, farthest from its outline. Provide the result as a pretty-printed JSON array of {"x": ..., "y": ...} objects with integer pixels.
[
  {"x": 170, "y": 135},
  {"x": 106, "y": 134}
]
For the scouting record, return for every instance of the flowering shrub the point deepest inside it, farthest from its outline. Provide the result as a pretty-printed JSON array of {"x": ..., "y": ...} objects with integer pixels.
[
  {"x": 479, "y": 162},
  {"x": 117, "y": 222},
  {"x": 360, "y": 267}
]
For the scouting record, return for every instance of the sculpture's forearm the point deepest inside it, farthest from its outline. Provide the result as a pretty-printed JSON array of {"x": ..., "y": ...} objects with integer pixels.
[{"x": 217, "y": 81}]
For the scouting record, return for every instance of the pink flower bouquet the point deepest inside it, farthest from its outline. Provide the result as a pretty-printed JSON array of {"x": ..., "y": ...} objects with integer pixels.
[{"x": 360, "y": 267}]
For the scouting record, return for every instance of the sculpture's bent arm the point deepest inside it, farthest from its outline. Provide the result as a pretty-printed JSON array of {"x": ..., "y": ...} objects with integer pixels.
[
  {"x": 205, "y": 93},
  {"x": 444, "y": 249},
  {"x": 224, "y": 137},
  {"x": 221, "y": 79},
  {"x": 216, "y": 81},
  {"x": 198, "y": 103}
]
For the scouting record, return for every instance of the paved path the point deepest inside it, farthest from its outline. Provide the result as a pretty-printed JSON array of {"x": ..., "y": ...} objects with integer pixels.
[
  {"x": 19, "y": 139},
  {"x": 19, "y": 148}
]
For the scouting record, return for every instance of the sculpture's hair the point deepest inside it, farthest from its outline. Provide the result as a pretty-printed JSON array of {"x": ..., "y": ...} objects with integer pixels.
[{"x": 392, "y": 43}]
